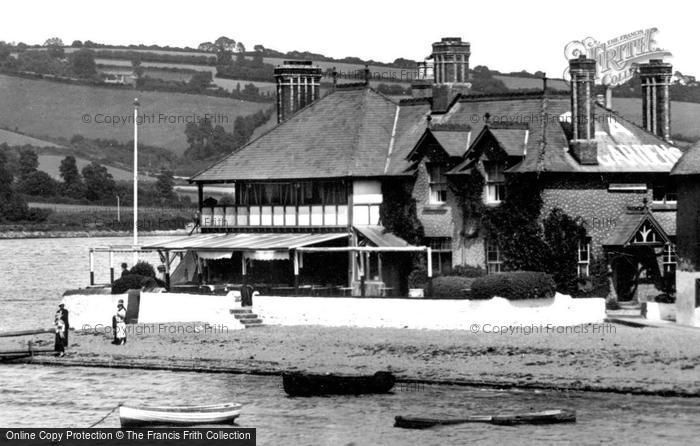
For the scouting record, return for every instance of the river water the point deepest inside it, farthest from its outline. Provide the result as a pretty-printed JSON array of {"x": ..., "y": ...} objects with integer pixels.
[{"x": 37, "y": 271}]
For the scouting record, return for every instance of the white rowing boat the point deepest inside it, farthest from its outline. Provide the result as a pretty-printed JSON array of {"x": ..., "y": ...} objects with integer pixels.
[{"x": 179, "y": 415}]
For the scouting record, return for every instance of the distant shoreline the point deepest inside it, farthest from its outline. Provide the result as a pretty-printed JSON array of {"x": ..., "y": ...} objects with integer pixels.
[{"x": 9, "y": 235}]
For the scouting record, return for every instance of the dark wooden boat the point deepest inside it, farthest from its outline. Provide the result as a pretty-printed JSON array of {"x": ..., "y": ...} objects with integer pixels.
[
  {"x": 179, "y": 415},
  {"x": 543, "y": 417},
  {"x": 305, "y": 384}
]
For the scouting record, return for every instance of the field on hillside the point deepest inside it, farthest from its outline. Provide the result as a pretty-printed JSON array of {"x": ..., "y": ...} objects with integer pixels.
[
  {"x": 50, "y": 164},
  {"x": 684, "y": 115},
  {"x": 44, "y": 108},
  {"x": 17, "y": 139}
]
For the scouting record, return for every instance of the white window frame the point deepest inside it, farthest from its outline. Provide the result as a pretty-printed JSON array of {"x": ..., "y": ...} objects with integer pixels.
[
  {"x": 669, "y": 258},
  {"x": 493, "y": 266},
  {"x": 437, "y": 186},
  {"x": 495, "y": 188},
  {"x": 440, "y": 246},
  {"x": 584, "y": 264},
  {"x": 665, "y": 200}
]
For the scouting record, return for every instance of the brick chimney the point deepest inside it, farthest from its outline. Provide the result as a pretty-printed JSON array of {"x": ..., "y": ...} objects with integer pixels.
[
  {"x": 656, "y": 105},
  {"x": 450, "y": 71},
  {"x": 583, "y": 144},
  {"x": 298, "y": 85}
]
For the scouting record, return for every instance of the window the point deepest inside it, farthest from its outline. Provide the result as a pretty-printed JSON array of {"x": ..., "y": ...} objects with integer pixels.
[
  {"x": 584, "y": 258},
  {"x": 664, "y": 192},
  {"x": 438, "y": 184},
  {"x": 494, "y": 262},
  {"x": 669, "y": 259},
  {"x": 441, "y": 248},
  {"x": 495, "y": 183}
]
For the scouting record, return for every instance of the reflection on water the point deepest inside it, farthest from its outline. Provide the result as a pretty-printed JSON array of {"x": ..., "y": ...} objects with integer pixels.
[{"x": 75, "y": 396}]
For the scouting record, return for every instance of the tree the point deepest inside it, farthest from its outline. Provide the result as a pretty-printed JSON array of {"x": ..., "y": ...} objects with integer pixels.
[
  {"x": 136, "y": 66},
  {"x": 53, "y": 41},
  {"x": 39, "y": 184},
  {"x": 55, "y": 51},
  {"x": 200, "y": 81},
  {"x": 5, "y": 51},
  {"x": 259, "y": 48},
  {"x": 164, "y": 186},
  {"x": 99, "y": 183},
  {"x": 28, "y": 163},
  {"x": 225, "y": 43},
  {"x": 82, "y": 63},
  {"x": 72, "y": 181},
  {"x": 240, "y": 48},
  {"x": 77, "y": 44}
]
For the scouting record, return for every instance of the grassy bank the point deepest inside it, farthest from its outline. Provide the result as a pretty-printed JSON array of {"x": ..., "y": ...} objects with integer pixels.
[{"x": 617, "y": 359}]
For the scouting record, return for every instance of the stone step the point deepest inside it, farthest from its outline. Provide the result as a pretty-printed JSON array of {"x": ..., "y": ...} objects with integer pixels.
[
  {"x": 249, "y": 322},
  {"x": 242, "y": 317},
  {"x": 241, "y": 311}
]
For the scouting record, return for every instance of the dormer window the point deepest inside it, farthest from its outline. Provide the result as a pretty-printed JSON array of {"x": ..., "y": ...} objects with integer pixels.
[
  {"x": 438, "y": 183},
  {"x": 495, "y": 182}
]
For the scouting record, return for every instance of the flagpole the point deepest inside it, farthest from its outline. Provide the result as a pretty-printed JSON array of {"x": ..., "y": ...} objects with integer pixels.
[{"x": 136, "y": 183}]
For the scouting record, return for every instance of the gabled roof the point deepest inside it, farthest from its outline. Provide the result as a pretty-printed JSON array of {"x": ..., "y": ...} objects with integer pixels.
[
  {"x": 346, "y": 133},
  {"x": 450, "y": 143},
  {"x": 689, "y": 164},
  {"x": 512, "y": 140},
  {"x": 630, "y": 224}
]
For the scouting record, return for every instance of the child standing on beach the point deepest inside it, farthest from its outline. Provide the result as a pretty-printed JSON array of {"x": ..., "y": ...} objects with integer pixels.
[{"x": 120, "y": 317}]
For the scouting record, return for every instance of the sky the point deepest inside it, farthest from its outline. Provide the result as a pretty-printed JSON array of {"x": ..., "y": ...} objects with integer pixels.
[{"x": 504, "y": 35}]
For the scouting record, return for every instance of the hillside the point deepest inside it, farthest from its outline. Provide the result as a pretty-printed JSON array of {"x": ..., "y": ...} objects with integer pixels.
[
  {"x": 50, "y": 164},
  {"x": 684, "y": 116},
  {"x": 39, "y": 107},
  {"x": 17, "y": 139}
]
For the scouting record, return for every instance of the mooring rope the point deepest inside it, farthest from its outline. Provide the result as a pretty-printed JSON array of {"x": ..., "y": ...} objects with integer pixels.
[{"x": 105, "y": 417}]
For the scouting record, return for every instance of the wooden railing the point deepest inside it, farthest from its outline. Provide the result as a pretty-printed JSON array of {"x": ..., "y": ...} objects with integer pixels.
[{"x": 290, "y": 216}]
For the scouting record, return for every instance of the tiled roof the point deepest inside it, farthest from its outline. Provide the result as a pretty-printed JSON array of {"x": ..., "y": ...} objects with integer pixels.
[
  {"x": 689, "y": 164},
  {"x": 455, "y": 143},
  {"x": 628, "y": 225},
  {"x": 346, "y": 133},
  {"x": 513, "y": 141},
  {"x": 357, "y": 132}
]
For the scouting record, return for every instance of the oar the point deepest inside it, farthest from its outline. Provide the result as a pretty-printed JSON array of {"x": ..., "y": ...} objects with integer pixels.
[{"x": 545, "y": 417}]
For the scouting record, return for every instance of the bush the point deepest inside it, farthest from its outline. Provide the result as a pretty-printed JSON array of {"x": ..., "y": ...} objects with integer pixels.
[
  {"x": 514, "y": 286},
  {"x": 468, "y": 271},
  {"x": 451, "y": 287},
  {"x": 144, "y": 269},
  {"x": 418, "y": 278},
  {"x": 131, "y": 282}
]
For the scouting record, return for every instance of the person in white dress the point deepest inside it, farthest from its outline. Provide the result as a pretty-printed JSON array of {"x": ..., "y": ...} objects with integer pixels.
[{"x": 120, "y": 317}]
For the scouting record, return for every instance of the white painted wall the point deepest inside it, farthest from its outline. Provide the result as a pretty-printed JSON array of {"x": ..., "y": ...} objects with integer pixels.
[
  {"x": 94, "y": 309},
  {"x": 562, "y": 310},
  {"x": 686, "y": 312}
]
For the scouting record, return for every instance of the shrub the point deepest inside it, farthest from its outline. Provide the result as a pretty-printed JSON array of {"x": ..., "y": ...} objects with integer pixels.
[
  {"x": 514, "y": 286},
  {"x": 143, "y": 268},
  {"x": 451, "y": 287},
  {"x": 418, "y": 278},
  {"x": 130, "y": 282},
  {"x": 468, "y": 271}
]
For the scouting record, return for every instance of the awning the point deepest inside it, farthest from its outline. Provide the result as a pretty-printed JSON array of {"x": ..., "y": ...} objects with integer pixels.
[
  {"x": 379, "y": 236},
  {"x": 220, "y": 242}
]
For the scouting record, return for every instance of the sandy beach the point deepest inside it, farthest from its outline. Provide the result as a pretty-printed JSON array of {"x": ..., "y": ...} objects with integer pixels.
[{"x": 614, "y": 358}]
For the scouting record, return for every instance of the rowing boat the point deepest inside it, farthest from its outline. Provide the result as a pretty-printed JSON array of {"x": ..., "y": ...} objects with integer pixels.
[
  {"x": 543, "y": 417},
  {"x": 179, "y": 415},
  {"x": 306, "y": 384}
]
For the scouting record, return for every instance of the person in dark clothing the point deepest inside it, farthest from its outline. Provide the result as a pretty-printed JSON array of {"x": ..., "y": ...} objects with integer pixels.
[
  {"x": 62, "y": 313},
  {"x": 246, "y": 296},
  {"x": 59, "y": 344},
  {"x": 125, "y": 269}
]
